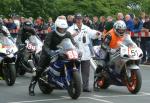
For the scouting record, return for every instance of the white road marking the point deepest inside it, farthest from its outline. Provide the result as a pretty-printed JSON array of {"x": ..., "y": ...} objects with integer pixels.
[
  {"x": 42, "y": 100},
  {"x": 92, "y": 98},
  {"x": 101, "y": 100},
  {"x": 145, "y": 93},
  {"x": 140, "y": 94}
]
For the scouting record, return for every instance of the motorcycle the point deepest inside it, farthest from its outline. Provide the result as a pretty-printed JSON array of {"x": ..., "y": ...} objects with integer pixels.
[
  {"x": 122, "y": 68},
  {"x": 8, "y": 51},
  {"x": 63, "y": 71},
  {"x": 28, "y": 60}
]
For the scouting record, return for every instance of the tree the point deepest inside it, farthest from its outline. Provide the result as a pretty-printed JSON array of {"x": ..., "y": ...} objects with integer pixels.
[{"x": 53, "y": 8}]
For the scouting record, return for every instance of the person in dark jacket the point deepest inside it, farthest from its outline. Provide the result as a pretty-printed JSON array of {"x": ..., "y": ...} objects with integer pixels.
[
  {"x": 129, "y": 22},
  {"x": 50, "y": 45},
  {"x": 25, "y": 32}
]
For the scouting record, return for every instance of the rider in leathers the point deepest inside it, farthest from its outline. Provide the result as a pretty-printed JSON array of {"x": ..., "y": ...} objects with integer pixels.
[
  {"x": 25, "y": 32},
  {"x": 112, "y": 39},
  {"x": 50, "y": 44}
]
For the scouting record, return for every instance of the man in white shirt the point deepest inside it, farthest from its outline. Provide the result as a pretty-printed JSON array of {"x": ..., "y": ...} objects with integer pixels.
[{"x": 82, "y": 35}]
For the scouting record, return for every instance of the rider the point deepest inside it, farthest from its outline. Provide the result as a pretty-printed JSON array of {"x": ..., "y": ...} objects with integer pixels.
[
  {"x": 116, "y": 35},
  {"x": 25, "y": 32},
  {"x": 50, "y": 44}
]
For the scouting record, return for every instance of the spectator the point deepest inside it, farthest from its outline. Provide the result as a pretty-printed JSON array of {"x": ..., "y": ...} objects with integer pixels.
[
  {"x": 41, "y": 28},
  {"x": 142, "y": 17},
  {"x": 70, "y": 20},
  {"x": 146, "y": 24},
  {"x": 51, "y": 23},
  {"x": 87, "y": 21},
  {"x": 16, "y": 21},
  {"x": 95, "y": 25},
  {"x": 5, "y": 21},
  {"x": 102, "y": 23},
  {"x": 31, "y": 19},
  {"x": 109, "y": 24},
  {"x": 12, "y": 27},
  {"x": 145, "y": 42},
  {"x": 138, "y": 24},
  {"x": 120, "y": 16},
  {"x": 129, "y": 22},
  {"x": 22, "y": 20}
]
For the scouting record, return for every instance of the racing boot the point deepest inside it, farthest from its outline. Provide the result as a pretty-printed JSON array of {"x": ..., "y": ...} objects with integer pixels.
[
  {"x": 32, "y": 85},
  {"x": 36, "y": 75}
]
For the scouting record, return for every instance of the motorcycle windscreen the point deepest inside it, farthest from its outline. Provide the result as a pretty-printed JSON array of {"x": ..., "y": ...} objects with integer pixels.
[
  {"x": 66, "y": 45},
  {"x": 128, "y": 41},
  {"x": 5, "y": 41},
  {"x": 36, "y": 42}
]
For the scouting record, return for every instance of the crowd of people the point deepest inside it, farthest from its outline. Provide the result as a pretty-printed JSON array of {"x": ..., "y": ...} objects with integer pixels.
[
  {"x": 102, "y": 24},
  {"x": 84, "y": 32}
]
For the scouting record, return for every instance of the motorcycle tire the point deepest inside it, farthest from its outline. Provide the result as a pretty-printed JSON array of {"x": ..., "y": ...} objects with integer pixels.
[
  {"x": 74, "y": 90},
  {"x": 45, "y": 88},
  {"x": 103, "y": 81},
  {"x": 134, "y": 82},
  {"x": 10, "y": 74}
]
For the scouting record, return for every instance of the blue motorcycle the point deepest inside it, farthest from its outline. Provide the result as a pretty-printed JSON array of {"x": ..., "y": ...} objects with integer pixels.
[{"x": 63, "y": 71}]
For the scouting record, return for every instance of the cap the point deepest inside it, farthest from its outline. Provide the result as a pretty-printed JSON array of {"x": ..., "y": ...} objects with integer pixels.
[{"x": 78, "y": 16}]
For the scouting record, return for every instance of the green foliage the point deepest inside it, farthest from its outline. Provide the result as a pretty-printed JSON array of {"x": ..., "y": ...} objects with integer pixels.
[{"x": 53, "y": 8}]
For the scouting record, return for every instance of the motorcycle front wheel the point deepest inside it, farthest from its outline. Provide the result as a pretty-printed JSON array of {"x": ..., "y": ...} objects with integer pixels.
[
  {"x": 134, "y": 82},
  {"x": 74, "y": 89},
  {"x": 9, "y": 74}
]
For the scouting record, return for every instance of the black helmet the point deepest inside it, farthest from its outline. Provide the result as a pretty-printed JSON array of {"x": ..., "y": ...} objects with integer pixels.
[{"x": 27, "y": 25}]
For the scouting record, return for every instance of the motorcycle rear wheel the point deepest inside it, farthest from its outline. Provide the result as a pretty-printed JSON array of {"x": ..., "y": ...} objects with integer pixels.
[
  {"x": 103, "y": 81},
  {"x": 45, "y": 88},
  {"x": 74, "y": 90}
]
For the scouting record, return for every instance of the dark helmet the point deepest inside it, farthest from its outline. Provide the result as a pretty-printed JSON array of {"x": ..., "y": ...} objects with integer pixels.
[{"x": 27, "y": 25}]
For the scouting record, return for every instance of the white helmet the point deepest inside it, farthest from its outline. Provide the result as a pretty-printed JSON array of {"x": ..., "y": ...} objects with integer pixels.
[
  {"x": 61, "y": 26},
  {"x": 120, "y": 27}
]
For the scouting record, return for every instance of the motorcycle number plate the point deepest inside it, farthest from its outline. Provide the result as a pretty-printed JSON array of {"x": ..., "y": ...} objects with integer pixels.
[
  {"x": 72, "y": 54},
  {"x": 31, "y": 47},
  {"x": 9, "y": 51},
  {"x": 133, "y": 52}
]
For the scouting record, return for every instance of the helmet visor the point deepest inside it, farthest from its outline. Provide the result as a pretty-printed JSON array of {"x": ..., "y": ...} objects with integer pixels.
[
  {"x": 61, "y": 30},
  {"x": 121, "y": 31}
]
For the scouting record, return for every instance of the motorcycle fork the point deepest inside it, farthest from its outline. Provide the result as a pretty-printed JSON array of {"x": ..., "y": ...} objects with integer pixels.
[
  {"x": 66, "y": 74},
  {"x": 128, "y": 71}
]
